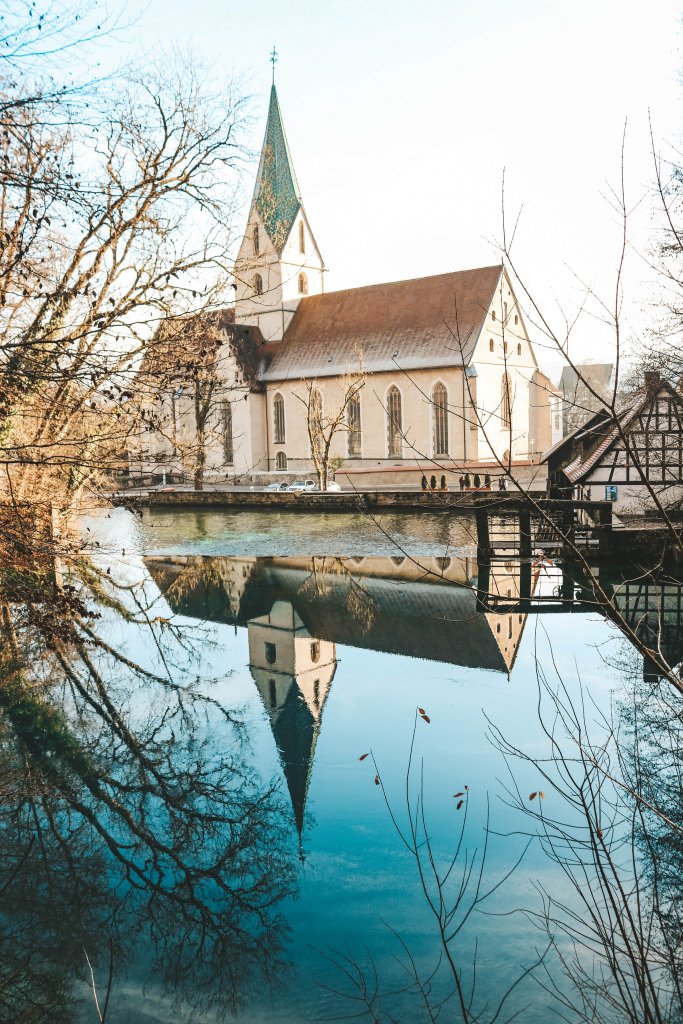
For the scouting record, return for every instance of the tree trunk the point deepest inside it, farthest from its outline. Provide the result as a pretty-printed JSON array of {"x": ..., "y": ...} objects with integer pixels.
[{"x": 200, "y": 457}]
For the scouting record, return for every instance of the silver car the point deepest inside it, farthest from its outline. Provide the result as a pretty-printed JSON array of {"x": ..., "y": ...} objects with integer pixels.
[{"x": 303, "y": 485}]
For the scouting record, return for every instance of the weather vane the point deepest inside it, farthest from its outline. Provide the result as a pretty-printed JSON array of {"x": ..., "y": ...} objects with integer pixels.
[{"x": 273, "y": 61}]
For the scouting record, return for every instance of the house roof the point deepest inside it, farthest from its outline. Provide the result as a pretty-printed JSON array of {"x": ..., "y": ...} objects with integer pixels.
[
  {"x": 582, "y": 465},
  {"x": 428, "y": 322},
  {"x": 276, "y": 196}
]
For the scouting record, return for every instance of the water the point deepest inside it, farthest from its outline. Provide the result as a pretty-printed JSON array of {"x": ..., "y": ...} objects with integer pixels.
[
  {"x": 317, "y": 661},
  {"x": 276, "y": 533}
]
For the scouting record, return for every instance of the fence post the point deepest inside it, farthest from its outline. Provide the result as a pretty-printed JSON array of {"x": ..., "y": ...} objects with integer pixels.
[
  {"x": 605, "y": 531},
  {"x": 525, "y": 533},
  {"x": 483, "y": 541}
]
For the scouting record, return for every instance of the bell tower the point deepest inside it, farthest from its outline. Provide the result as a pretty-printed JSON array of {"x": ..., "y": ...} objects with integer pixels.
[{"x": 278, "y": 263}]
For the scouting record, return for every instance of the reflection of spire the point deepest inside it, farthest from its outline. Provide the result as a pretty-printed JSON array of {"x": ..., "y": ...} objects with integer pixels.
[
  {"x": 293, "y": 672},
  {"x": 296, "y": 733}
]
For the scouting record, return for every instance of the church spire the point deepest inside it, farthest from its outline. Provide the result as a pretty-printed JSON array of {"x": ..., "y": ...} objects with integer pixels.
[
  {"x": 278, "y": 262},
  {"x": 277, "y": 197}
]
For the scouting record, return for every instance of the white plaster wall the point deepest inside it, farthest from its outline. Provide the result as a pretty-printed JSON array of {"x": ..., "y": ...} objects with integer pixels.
[
  {"x": 273, "y": 310},
  {"x": 417, "y": 414},
  {"x": 504, "y": 329},
  {"x": 632, "y": 499}
]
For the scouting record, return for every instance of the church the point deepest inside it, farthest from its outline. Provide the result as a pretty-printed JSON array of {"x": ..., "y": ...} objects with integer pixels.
[{"x": 435, "y": 374}]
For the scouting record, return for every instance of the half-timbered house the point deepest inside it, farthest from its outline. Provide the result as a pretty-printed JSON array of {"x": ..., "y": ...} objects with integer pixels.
[{"x": 633, "y": 458}]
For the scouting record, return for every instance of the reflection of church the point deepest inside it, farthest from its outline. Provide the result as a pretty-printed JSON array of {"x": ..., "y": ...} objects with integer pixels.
[
  {"x": 293, "y": 672},
  {"x": 296, "y": 610}
]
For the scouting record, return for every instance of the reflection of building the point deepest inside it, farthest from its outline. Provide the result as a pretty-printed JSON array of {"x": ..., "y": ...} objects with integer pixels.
[
  {"x": 293, "y": 672},
  {"x": 297, "y": 609},
  {"x": 414, "y": 607},
  {"x": 653, "y": 609}
]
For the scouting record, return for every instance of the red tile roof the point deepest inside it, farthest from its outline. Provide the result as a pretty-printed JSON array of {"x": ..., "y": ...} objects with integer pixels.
[{"x": 428, "y": 322}]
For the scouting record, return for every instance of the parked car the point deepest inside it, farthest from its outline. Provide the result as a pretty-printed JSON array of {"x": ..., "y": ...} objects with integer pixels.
[
  {"x": 277, "y": 486},
  {"x": 332, "y": 485},
  {"x": 303, "y": 485}
]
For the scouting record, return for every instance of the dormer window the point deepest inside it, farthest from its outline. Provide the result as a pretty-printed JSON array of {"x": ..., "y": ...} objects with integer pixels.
[
  {"x": 257, "y": 247},
  {"x": 258, "y": 284},
  {"x": 302, "y": 237},
  {"x": 303, "y": 284}
]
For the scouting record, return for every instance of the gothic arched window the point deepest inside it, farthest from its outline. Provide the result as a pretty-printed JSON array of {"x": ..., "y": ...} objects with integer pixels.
[
  {"x": 394, "y": 423},
  {"x": 281, "y": 461},
  {"x": 506, "y": 401},
  {"x": 302, "y": 237},
  {"x": 440, "y": 403},
  {"x": 279, "y": 419},
  {"x": 303, "y": 284},
  {"x": 258, "y": 284},
  {"x": 353, "y": 422},
  {"x": 257, "y": 247},
  {"x": 491, "y": 345},
  {"x": 228, "y": 447}
]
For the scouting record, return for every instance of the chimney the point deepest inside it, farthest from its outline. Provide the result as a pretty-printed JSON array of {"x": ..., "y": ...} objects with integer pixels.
[{"x": 653, "y": 380}]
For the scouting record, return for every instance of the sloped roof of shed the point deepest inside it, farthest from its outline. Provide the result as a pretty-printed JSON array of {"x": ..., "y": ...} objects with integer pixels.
[{"x": 409, "y": 325}]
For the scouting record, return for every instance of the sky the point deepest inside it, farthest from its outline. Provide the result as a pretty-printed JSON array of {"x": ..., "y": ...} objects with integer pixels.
[{"x": 402, "y": 117}]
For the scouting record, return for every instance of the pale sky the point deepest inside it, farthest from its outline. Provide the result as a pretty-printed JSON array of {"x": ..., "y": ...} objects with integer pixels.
[{"x": 401, "y": 117}]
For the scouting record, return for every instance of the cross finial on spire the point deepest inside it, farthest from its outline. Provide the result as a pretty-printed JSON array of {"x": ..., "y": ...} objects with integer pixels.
[{"x": 273, "y": 61}]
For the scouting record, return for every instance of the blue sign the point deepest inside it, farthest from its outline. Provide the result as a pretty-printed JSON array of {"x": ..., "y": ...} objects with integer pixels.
[{"x": 610, "y": 492}]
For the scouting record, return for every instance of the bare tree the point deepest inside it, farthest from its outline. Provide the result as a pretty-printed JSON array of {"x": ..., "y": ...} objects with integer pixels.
[
  {"x": 326, "y": 420},
  {"x": 110, "y": 226}
]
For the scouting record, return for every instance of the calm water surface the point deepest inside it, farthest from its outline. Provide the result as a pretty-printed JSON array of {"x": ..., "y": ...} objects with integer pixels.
[{"x": 324, "y": 658}]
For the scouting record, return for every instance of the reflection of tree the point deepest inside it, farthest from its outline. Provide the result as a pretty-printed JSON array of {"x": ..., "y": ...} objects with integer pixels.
[
  {"x": 358, "y": 603},
  {"x": 612, "y": 825},
  {"x": 126, "y": 815}
]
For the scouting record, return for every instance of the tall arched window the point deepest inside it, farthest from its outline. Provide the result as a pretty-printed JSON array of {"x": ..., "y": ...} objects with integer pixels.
[
  {"x": 258, "y": 284},
  {"x": 279, "y": 419},
  {"x": 257, "y": 247},
  {"x": 281, "y": 461},
  {"x": 302, "y": 237},
  {"x": 228, "y": 448},
  {"x": 440, "y": 403},
  {"x": 353, "y": 423},
  {"x": 394, "y": 423},
  {"x": 303, "y": 284},
  {"x": 506, "y": 401}
]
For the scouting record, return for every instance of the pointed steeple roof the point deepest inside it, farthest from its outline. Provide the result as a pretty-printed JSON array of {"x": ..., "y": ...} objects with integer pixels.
[
  {"x": 296, "y": 734},
  {"x": 277, "y": 198}
]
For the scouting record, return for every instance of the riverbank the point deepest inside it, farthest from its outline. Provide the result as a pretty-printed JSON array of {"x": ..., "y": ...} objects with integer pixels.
[{"x": 315, "y": 501}]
